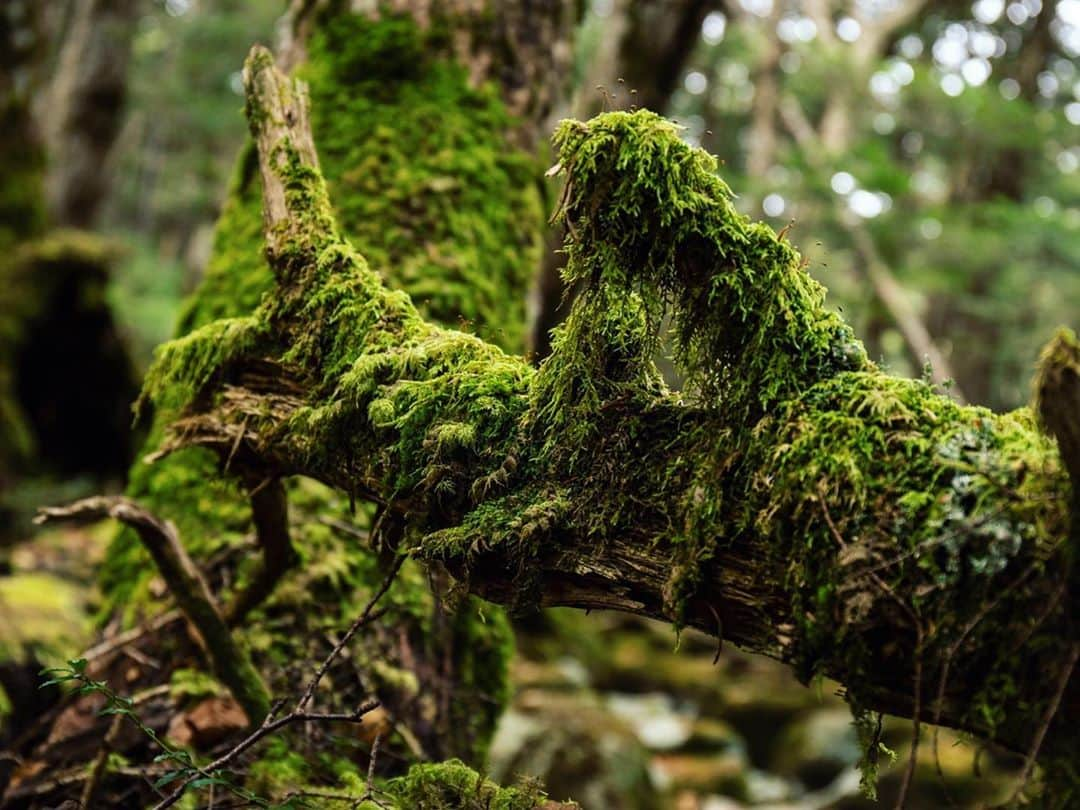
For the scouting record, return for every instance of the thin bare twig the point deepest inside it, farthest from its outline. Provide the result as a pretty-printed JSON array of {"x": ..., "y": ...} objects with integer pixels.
[
  {"x": 356, "y": 625},
  {"x": 134, "y": 634},
  {"x": 100, "y": 766},
  {"x": 228, "y": 660}
]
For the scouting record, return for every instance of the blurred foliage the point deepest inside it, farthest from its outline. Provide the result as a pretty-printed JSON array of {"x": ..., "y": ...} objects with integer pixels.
[
  {"x": 963, "y": 164},
  {"x": 177, "y": 149}
]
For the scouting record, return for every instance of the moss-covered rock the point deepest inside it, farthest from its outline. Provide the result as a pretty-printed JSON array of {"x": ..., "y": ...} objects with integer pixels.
[{"x": 57, "y": 341}]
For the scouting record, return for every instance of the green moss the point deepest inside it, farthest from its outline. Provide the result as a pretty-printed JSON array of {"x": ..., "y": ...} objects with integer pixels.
[
  {"x": 237, "y": 274},
  {"x": 424, "y": 179},
  {"x": 649, "y": 215},
  {"x": 866, "y": 472},
  {"x": 452, "y": 785},
  {"x": 884, "y": 504},
  {"x": 44, "y": 615},
  {"x": 449, "y": 785}
]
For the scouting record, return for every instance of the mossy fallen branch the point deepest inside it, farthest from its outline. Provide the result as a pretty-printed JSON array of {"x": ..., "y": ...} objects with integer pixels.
[{"x": 815, "y": 509}]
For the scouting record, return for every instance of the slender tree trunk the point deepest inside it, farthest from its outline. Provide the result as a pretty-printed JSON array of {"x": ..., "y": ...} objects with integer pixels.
[{"x": 974, "y": 335}]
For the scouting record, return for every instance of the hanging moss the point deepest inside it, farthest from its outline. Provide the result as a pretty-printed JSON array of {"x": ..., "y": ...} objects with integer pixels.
[{"x": 805, "y": 424}]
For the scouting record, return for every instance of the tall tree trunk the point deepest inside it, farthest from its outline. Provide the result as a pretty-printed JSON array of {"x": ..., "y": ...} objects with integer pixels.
[{"x": 977, "y": 336}]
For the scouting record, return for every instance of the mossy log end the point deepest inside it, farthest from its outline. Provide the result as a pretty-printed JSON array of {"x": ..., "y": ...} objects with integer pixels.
[{"x": 792, "y": 498}]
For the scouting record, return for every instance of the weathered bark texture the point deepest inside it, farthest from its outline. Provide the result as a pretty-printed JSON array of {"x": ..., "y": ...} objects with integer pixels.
[{"x": 796, "y": 500}]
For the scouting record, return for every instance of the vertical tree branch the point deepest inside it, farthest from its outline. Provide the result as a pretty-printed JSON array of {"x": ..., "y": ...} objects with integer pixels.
[
  {"x": 85, "y": 107},
  {"x": 887, "y": 289}
]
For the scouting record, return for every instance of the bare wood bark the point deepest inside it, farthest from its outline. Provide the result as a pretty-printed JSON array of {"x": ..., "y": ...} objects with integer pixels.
[
  {"x": 228, "y": 661},
  {"x": 744, "y": 586},
  {"x": 270, "y": 514}
]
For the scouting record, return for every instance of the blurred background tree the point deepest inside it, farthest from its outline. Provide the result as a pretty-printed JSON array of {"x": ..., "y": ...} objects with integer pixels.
[{"x": 926, "y": 156}]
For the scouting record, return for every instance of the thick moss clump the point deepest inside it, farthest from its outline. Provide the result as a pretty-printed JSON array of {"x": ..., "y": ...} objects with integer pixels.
[
  {"x": 449, "y": 785},
  {"x": 648, "y": 214},
  {"x": 452, "y": 785},
  {"x": 884, "y": 499}
]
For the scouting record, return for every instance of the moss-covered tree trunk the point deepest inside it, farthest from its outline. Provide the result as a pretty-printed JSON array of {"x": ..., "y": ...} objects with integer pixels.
[{"x": 793, "y": 499}]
